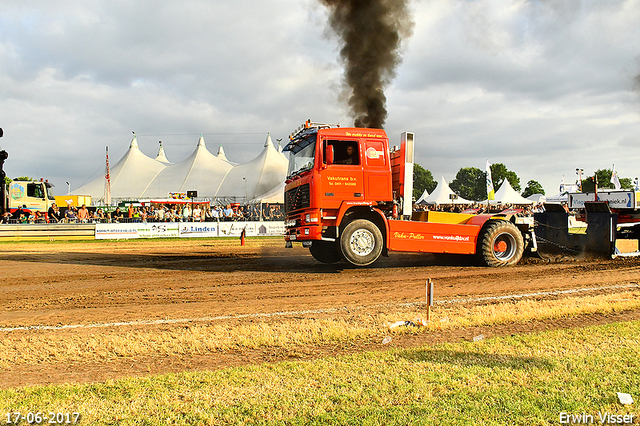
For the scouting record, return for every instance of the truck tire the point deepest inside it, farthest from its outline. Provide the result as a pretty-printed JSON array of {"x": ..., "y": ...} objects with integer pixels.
[
  {"x": 500, "y": 244},
  {"x": 361, "y": 242},
  {"x": 325, "y": 251}
]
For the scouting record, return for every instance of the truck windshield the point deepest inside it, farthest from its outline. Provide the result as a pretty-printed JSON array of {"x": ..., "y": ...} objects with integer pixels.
[{"x": 302, "y": 156}]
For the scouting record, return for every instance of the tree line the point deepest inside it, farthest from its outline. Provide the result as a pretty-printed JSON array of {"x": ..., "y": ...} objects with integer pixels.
[{"x": 470, "y": 182}]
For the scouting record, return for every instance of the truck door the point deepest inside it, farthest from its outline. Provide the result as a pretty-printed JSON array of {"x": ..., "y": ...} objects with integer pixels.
[
  {"x": 342, "y": 180},
  {"x": 377, "y": 172}
]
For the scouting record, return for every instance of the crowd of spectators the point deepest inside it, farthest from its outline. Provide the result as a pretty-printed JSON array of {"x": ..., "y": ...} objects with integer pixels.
[
  {"x": 204, "y": 212},
  {"x": 476, "y": 208},
  {"x": 184, "y": 212}
]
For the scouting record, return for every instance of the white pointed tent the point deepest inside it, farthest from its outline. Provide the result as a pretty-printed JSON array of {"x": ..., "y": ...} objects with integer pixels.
[
  {"x": 221, "y": 155},
  {"x": 201, "y": 171},
  {"x": 137, "y": 176},
  {"x": 129, "y": 176},
  {"x": 423, "y": 198},
  {"x": 276, "y": 195},
  {"x": 442, "y": 195},
  {"x": 537, "y": 198},
  {"x": 161, "y": 157},
  {"x": 256, "y": 177},
  {"x": 507, "y": 195}
]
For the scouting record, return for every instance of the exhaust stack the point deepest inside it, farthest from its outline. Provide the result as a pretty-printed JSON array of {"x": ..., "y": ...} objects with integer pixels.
[{"x": 406, "y": 145}]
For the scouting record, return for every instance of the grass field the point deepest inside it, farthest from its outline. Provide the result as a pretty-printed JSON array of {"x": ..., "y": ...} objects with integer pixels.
[{"x": 521, "y": 380}]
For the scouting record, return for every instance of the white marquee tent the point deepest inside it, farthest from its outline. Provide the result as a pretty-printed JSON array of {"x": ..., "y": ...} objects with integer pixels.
[
  {"x": 137, "y": 176},
  {"x": 442, "y": 195},
  {"x": 201, "y": 171},
  {"x": 423, "y": 198},
  {"x": 256, "y": 177},
  {"x": 537, "y": 198},
  {"x": 129, "y": 176},
  {"x": 507, "y": 195},
  {"x": 161, "y": 157}
]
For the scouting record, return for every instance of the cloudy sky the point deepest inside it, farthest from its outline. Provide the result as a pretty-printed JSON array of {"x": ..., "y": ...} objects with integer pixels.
[{"x": 544, "y": 87}]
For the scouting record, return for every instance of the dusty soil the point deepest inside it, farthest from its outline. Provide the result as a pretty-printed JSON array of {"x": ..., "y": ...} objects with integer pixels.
[{"x": 74, "y": 283}]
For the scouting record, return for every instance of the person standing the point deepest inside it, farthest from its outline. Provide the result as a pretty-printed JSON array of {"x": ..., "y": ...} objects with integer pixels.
[
  {"x": 83, "y": 214},
  {"x": 186, "y": 213},
  {"x": 197, "y": 214}
]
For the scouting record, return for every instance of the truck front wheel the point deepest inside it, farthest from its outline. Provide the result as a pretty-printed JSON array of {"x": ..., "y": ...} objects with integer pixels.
[
  {"x": 361, "y": 242},
  {"x": 500, "y": 244},
  {"x": 325, "y": 251}
]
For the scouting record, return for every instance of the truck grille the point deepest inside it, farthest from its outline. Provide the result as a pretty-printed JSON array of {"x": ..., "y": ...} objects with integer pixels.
[{"x": 297, "y": 198}]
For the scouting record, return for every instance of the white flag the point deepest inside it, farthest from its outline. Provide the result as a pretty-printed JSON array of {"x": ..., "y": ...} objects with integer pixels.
[
  {"x": 614, "y": 178},
  {"x": 491, "y": 195}
]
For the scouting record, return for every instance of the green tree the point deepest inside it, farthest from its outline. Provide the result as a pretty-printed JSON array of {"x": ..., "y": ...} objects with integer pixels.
[
  {"x": 7, "y": 179},
  {"x": 470, "y": 183},
  {"x": 499, "y": 173},
  {"x": 422, "y": 179},
  {"x": 533, "y": 187},
  {"x": 604, "y": 181}
]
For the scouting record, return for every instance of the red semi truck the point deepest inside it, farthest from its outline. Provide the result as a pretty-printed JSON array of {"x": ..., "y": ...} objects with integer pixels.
[{"x": 358, "y": 206}]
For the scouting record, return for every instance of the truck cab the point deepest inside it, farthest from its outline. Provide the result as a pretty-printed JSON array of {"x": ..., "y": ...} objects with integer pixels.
[
  {"x": 348, "y": 196},
  {"x": 329, "y": 169},
  {"x": 35, "y": 195}
]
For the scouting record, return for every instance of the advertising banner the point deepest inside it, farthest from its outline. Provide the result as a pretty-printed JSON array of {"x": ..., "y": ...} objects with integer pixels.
[
  {"x": 198, "y": 229},
  {"x": 270, "y": 228},
  {"x": 158, "y": 230},
  {"x": 616, "y": 199},
  {"x": 116, "y": 231},
  {"x": 234, "y": 229}
]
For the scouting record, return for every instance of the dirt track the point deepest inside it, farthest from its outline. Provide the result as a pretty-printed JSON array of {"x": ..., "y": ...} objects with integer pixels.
[{"x": 82, "y": 283}]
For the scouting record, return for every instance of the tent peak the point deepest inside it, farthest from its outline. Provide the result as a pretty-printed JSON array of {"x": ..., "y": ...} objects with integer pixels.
[
  {"x": 134, "y": 142},
  {"x": 162, "y": 157}
]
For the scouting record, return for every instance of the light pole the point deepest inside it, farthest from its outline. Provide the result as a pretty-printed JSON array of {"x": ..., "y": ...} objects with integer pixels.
[
  {"x": 246, "y": 194},
  {"x": 68, "y": 188},
  {"x": 579, "y": 173}
]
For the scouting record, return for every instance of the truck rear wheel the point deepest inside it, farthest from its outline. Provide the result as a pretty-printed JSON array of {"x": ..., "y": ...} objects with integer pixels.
[
  {"x": 361, "y": 242},
  {"x": 500, "y": 244},
  {"x": 325, "y": 251}
]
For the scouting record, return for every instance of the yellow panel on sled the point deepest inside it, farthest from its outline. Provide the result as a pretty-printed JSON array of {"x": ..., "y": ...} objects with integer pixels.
[{"x": 441, "y": 217}]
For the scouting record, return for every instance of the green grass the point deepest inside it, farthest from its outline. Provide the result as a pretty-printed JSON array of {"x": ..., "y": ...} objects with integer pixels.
[{"x": 516, "y": 380}]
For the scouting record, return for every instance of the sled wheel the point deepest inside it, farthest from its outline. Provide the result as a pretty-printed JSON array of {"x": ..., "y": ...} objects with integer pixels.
[
  {"x": 325, "y": 252},
  {"x": 500, "y": 244},
  {"x": 361, "y": 242}
]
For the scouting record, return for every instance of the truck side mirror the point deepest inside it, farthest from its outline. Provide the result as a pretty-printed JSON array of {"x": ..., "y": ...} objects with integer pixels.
[{"x": 329, "y": 155}]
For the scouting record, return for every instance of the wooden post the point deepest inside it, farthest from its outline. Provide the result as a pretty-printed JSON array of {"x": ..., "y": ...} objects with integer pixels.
[{"x": 429, "y": 295}]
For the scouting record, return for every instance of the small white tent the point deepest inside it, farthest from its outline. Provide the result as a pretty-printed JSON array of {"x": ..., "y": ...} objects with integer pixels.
[
  {"x": 423, "y": 198},
  {"x": 507, "y": 195},
  {"x": 558, "y": 198},
  {"x": 537, "y": 198},
  {"x": 443, "y": 195}
]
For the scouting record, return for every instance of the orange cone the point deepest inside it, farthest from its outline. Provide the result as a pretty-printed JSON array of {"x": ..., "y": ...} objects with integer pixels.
[{"x": 242, "y": 237}]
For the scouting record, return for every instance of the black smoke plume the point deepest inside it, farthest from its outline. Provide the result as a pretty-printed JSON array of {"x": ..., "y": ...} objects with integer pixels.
[{"x": 371, "y": 32}]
